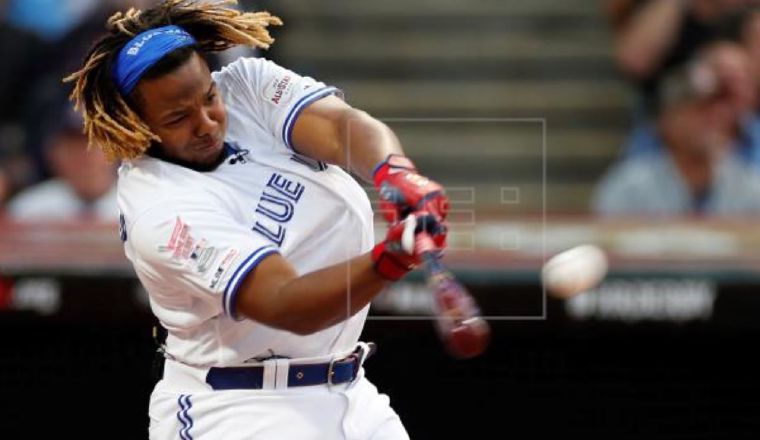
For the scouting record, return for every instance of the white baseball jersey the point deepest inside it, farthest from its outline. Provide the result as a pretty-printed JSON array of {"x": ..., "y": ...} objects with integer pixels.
[{"x": 193, "y": 236}]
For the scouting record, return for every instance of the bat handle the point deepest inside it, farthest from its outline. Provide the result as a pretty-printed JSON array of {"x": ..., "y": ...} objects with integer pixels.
[
  {"x": 426, "y": 247},
  {"x": 433, "y": 264}
]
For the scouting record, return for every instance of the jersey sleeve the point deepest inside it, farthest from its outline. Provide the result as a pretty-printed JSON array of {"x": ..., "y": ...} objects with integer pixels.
[
  {"x": 200, "y": 253},
  {"x": 271, "y": 95}
]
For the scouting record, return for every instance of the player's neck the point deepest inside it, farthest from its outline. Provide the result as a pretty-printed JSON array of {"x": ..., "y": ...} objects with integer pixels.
[{"x": 156, "y": 150}]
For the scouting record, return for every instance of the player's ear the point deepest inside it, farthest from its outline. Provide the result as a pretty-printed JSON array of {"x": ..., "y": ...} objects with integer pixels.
[
  {"x": 136, "y": 102},
  {"x": 212, "y": 62}
]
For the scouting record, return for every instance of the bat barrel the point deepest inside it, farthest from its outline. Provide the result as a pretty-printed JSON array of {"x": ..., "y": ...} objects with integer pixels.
[{"x": 458, "y": 319}]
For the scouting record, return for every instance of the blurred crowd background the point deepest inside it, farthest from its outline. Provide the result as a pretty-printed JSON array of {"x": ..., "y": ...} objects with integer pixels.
[
  {"x": 617, "y": 107},
  {"x": 630, "y": 123}
]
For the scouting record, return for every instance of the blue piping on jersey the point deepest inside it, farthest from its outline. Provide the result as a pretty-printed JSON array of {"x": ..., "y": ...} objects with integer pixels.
[
  {"x": 229, "y": 150},
  {"x": 287, "y": 128},
  {"x": 314, "y": 165},
  {"x": 231, "y": 291},
  {"x": 183, "y": 416}
]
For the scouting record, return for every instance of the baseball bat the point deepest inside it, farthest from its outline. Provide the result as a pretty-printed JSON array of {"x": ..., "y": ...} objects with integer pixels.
[{"x": 459, "y": 322}]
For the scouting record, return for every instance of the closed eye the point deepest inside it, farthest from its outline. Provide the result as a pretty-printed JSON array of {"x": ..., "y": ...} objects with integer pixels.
[
  {"x": 211, "y": 94},
  {"x": 176, "y": 120}
]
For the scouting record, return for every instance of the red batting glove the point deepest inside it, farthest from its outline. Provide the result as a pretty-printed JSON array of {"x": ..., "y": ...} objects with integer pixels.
[
  {"x": 405, "y": 243},
  {"x": 403, "y": 191}
]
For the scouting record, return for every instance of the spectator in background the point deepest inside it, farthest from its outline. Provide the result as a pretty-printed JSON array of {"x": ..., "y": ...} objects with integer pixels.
[
  {"x": 721, "y": 65},
  {"x": 745, "y": 28},
  {"x": 749, "y": 28},
  {"x": 48, "y": 95},
  {"x": 23, "y": 63},
  {"x": 5, "y": 186},
  {"x": 655, "y": 36},
  {"x": 84, "y": 186},
  {"x": 658, "y": 38},
  {"x": 693, "y": 167}
]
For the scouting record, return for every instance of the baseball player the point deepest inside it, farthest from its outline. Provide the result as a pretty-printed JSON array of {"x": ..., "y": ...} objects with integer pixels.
[{"x": 255, "y": 245}]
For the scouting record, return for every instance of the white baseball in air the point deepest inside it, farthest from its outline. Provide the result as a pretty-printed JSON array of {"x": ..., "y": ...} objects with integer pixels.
[{"x": 574, "y": 271}]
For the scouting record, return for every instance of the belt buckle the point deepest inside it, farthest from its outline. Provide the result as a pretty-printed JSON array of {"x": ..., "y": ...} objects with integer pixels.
[
  {"x": 331, "y": 373},
  {"x": 360, "y": 354}
]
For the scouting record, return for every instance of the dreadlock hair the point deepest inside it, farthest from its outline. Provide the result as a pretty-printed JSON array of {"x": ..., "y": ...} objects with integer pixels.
[{"x": 110, "y": 121}]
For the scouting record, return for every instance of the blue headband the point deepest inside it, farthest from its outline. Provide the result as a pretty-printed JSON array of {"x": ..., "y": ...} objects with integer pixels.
[{"x": 145, "y": 50}]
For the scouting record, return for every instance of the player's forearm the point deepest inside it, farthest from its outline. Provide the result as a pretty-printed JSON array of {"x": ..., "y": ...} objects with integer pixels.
[
  {"x": 368, "y": 142},
  {"x": 331, "y": 131},
  {"x": 642, "y": 43},
  {"x": 308, "y": 303},
  {"x": 328, "y": 296}
]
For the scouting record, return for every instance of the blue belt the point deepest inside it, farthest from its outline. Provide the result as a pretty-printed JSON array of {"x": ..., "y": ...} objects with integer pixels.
[{"x": 252, "y": 378}]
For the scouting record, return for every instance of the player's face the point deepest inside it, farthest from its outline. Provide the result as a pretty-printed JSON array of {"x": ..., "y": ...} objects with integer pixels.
[{"x": 185, "y": 110}]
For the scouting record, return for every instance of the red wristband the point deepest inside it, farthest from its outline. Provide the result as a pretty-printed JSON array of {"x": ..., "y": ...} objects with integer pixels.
[
  {"x": 391, "y": 164},
  {"x": 388, "y": 266}
]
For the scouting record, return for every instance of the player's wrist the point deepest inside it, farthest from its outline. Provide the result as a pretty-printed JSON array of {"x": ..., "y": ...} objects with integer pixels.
[
  {"x": 392, "y": 164},
  {"x": 397, "y": 254},
  {"x": 403, "y": 190},
  {"x": 388, "y": 265}
]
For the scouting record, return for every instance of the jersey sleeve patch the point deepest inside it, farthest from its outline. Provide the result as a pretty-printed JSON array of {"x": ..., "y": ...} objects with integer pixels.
[
  {"x": 279, "y": 89},
  {"x": 263, "y": 94},
  {"x": 197, "y": 255},
  {"x": 210, "y": 262}
]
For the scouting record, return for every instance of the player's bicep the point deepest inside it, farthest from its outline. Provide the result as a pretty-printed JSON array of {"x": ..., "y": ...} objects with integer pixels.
[
  {"x": 321, "y": 130},
  {"x": 258, "y": 296}
]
